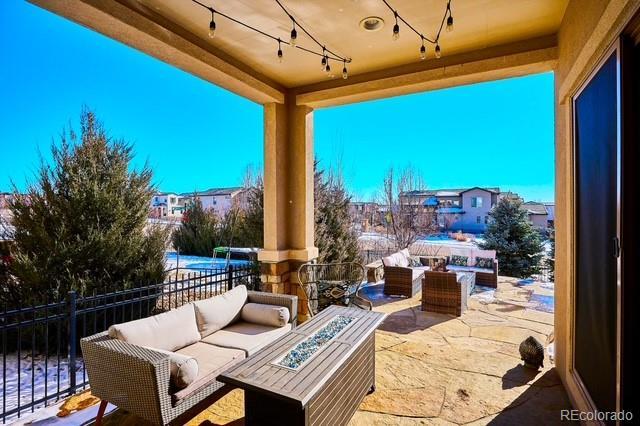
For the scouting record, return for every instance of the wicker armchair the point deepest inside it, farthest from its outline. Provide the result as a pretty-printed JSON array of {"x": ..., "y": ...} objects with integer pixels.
[
  {"x": 326, "y": 284},
  {"x": 446, "y": 292}
]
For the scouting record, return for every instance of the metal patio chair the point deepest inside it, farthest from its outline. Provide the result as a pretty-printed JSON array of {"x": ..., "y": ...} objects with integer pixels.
[{"x": 326, "y": 284}]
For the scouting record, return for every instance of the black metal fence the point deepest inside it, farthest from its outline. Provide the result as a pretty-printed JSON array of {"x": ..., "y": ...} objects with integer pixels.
[{"x": 41, "y": 357}]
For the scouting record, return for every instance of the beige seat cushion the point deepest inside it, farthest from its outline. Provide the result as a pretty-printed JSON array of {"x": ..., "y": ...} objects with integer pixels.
[
  {"x": 217, "y": 312},
  {"x": 184, "y": 368},
  {"x": 212, "y": 360},
  {"x": 168, "y": 331},
  {"x": 246, "y": 336},
  {"x": 416, "y": 273},
  {"x": 259, "y": 313},
  {"x": 456, "y": 268}
]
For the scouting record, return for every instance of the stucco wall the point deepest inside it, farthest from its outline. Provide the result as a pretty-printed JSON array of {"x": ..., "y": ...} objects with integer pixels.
[
  {"x": 588, "y": 29},
  {"x": 538, "y": 220},
  {"x": 469, "y": 220}
]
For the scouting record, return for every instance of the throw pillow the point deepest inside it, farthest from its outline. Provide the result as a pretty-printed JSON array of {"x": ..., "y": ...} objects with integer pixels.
[
  {"x": 459, "y": 260},
  {"x": 258, "y": 313},
  {"x": 484, "y": 262}
]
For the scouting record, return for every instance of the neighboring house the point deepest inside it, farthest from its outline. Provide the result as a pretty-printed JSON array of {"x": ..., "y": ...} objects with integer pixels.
[
  {"x": 167, "y": 205},
  {"x": 220, "y": 200},
  {"x": 463, "y": 209},
  {"x": 551, "y": 210},
  {"x": 538, "y": 214},
  {"x": 5, "y": 198},
  {"x": 365, "y": 215}
]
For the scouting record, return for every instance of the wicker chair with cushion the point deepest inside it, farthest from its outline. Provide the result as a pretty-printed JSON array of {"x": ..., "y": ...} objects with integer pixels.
[
  {"x": 402, "y": 274},
  {"x": 326, "y": 284},
  {"x": 164, "y": 368},
  {"x": 446, "y": 292}
]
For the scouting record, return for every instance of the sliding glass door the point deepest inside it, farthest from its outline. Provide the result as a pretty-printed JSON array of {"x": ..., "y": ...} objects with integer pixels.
[{"x": 597, "y": 233}]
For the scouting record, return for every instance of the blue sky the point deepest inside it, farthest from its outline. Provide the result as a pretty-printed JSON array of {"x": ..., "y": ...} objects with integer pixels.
[{"x": 195, "y": 135}]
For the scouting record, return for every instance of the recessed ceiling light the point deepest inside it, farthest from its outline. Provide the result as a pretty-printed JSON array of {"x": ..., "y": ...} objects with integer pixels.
[{"x": 372, "y": 23}]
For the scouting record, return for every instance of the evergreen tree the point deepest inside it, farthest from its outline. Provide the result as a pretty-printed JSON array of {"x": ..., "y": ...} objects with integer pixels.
[
  {"x": 551, "y": 258},
  {"x": 83, "y": 225},
  {"x": 335, "y": 236},
  {"x": 516, "y": 241},
  {"x": 199, "y": 233},
  {"x": 250, "y": 226}
]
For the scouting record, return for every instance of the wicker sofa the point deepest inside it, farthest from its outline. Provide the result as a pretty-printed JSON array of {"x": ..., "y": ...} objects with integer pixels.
[
  {"x": 402, "y": 274},
  {"x": 164, "y": 368},
  {"x": 484, "y": 276}
]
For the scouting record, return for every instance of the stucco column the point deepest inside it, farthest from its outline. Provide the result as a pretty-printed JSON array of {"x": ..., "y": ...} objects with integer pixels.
[{"x": 288, "y": 197}]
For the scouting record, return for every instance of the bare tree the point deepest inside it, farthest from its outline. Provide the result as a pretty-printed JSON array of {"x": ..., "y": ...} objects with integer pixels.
[{"x": 407, "y": 217}]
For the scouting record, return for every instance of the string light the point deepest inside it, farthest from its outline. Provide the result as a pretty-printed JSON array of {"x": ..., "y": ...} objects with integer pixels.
[
  {"x": 294, "y": 36},
  {"x": 279, "y": 52},
  {"x": 396, "y": 28},
  {"x": 328, "y": 67},
  {"x": 212, "y": 25},
  {"x": 323, "y": 62},
  {"x": 293, "y": 42},
  {"x": 446, "y": 18},
  {"x": 345, "y": 74},
  {"x": 450, "y": 18}
]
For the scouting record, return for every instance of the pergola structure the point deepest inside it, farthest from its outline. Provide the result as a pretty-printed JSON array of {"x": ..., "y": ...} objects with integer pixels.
[{"x": 492, "y": 39}]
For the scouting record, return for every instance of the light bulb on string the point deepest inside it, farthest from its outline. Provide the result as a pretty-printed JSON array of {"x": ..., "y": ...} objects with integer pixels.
[
  {"x": 438, "y": 52},
  {"x": 294, "y": 36},
  {"x": 450, "y": 23},
  {"x": 396, "y": 28},
  {"x": 423, "y": 51},
  {"x": 212, "y": 26},
  {"x": 279, "y": 52},
  {"x": 345, "y": 74}
]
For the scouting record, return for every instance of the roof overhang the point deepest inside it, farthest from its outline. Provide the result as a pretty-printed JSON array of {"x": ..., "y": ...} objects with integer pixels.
[{"x": 493, "y": 40}]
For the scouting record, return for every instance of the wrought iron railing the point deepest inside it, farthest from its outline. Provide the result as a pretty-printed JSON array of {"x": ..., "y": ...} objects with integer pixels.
[{"x": 41, "y": 357}]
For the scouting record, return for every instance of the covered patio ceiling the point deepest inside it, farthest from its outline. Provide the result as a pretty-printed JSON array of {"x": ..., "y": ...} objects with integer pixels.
[
  {"x": 479, "y": 24},
  {"x": 246, "y": 63}
]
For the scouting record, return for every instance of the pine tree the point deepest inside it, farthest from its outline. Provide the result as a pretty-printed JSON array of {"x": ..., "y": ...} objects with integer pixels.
[
  {"x": 516, "y": 241},
  {"x": 83, "y": 225},
  {"x": 335, "y": 236},
  {"x": 250, "y": 226},
  {"x": 551, "y": 258},
  {"x": 199, "y": 233}
]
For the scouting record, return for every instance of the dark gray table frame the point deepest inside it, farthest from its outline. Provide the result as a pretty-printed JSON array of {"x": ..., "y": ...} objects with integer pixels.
[{"x": 326, "y": 390}]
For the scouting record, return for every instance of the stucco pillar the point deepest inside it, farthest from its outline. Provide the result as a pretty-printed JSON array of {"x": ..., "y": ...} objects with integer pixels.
[{"x": 288, "y": 197}]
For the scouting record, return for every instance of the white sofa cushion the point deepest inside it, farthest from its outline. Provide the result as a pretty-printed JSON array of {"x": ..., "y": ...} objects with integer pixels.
[
  {"x": 259, "y": 313},
  {"x": 246, "y": 336},
  {"x": 168, "y": 331},
  {"x": 484, "y": 253},
  {"x": 184, "y": 368},
  {"x": 389, "y": 261},
  {"x": 466, "y": 252},
  {"x": 454, "y": 268},
  {"x": 212, "y": 360},
  {"x": 404, "y": 258},
  {"x": 217, "y": 312}
]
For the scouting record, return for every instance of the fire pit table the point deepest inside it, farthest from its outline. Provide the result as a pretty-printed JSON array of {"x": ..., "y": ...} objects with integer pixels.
[{"x": 316, "y": 374}]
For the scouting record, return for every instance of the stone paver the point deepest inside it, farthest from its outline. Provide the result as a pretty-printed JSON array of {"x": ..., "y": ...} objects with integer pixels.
[{"x": 434, "y": 369}]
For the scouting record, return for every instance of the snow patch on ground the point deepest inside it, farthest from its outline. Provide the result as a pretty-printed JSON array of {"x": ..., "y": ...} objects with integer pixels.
[{"x": 40, "y": 372}]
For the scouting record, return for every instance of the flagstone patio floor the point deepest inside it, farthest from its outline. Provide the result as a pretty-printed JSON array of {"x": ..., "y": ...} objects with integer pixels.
[{"x": 441, "y": 370}]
